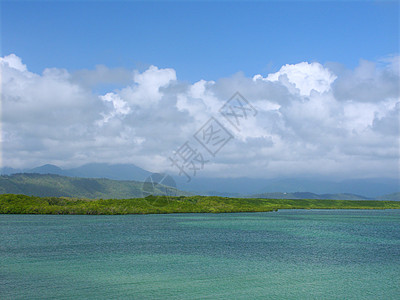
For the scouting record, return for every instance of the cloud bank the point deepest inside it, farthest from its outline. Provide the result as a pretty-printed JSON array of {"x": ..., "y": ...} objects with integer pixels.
[{"x": 312, "y": 119}]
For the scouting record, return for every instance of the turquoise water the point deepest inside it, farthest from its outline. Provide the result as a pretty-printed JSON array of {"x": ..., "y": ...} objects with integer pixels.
[{"x": 290, "y": 254}]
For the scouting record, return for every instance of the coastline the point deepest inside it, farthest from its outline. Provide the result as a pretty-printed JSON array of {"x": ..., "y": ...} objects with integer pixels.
[{"x": 22, "y": 204}]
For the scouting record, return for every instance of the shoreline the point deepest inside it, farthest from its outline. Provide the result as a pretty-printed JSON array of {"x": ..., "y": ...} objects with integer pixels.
[{"x": 22, "y": 204}]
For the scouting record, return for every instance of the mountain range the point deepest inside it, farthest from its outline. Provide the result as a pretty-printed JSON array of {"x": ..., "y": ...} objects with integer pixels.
[
  {"x": 372, "y": 188},
  {"x": 50, "y": 185}
]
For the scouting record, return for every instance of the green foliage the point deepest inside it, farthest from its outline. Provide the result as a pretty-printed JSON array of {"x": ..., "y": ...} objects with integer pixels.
[{"x": 22, "y": 204}]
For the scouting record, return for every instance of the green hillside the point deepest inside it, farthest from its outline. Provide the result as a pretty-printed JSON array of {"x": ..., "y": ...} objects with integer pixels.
[
  {"x": 61, "y": 186},
  {"x": 21, "y": 204}
]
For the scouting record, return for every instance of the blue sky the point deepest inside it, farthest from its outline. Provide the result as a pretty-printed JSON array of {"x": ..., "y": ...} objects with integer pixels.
[
  {"x": 200, "y": 40},
  {"x": 131, "y": 82}
]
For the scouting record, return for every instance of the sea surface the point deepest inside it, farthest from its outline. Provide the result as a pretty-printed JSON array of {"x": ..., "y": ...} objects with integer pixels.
[{"x": 289, "y": 254}]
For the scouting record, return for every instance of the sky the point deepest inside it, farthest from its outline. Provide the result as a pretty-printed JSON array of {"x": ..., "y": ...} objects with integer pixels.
[{"x": 133, "y": 81}]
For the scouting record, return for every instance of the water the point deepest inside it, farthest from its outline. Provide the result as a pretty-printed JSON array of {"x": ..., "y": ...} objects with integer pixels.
[{"x": 290, "y": 254}]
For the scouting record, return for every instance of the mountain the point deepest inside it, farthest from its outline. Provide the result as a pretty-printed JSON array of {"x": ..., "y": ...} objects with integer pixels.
[
  {"x": 9, "y": 171},
  {"x": 47, "y": 169},
  {"x": 236, "y": 187},
  {"x": 92, "y": 170},
  {"x": 49, "y": 185},
  {"x": 307, "y": 195},
  {"x": 55, "y": 185},
  {"x": 103, "y": 170}
]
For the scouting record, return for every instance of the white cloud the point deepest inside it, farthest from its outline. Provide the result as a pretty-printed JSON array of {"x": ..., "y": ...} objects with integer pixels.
[
  {"x": 119, "y": 106},
  {"x": 146, "y": 90},
  {"x": 303, "y": 77},
  {"x": 311, "y": 120},
  {"x": 369, "y": 82},
  {"x": 14, "y": 62}
]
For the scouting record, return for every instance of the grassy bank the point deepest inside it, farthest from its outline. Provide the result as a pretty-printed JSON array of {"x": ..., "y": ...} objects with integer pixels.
[{"x": 21, "y": 204}]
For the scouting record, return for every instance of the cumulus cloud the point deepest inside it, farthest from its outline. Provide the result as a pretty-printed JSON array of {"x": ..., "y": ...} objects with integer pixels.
[
  {"x": 311, "y": 119},
  {"x": 14, "y": 62},
  {"x": 119, "y": 107},
  {"x": 147, "y": 85},
  {"x": 369, "y": 82},
  {"x": 302, "y": 78}
]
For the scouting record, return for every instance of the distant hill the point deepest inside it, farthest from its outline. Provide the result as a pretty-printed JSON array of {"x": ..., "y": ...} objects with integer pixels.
[
  {"x": 103, "y": 170},
  {"x": 92, "y": 170},
  {"x": 372, "y": 188},
  {"x": 391, "y": 197},
  {"x": 307, "y": 195},
  {"x": 368, "y": 188},
  {"x": 47, "y": 169},
  {"x": 49, "y": 185},
  {"x": 9, "y": 171}
]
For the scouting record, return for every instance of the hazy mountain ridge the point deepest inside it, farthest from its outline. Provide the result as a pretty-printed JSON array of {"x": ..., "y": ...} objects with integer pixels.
[
  {"x": 306, "y": 195},
  {"x": 235, "y": 187},
  {"x": 390, "y": 197},
  {"x": 50, "y": 185},
  {"x": 92, "y": 170}
]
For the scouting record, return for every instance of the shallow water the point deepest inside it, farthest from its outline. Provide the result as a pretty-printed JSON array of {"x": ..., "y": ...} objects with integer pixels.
[{"x": 290, "y": 254}]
